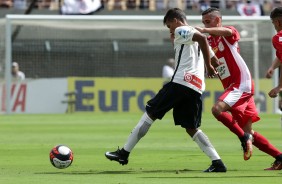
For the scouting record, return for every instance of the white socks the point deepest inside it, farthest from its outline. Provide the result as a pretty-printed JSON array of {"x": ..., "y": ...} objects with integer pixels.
[
  {"x": 138, "y": 132},
  {"x": 144, "y": 125},
  {"x": 205, "y": 145}
]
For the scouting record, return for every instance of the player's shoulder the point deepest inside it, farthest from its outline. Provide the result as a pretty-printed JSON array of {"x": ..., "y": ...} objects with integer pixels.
[
  {"x": 277, "y": 38},
  {"x": 233, "y": 29},
  {"x": 185, "y": 29},
  {"x": 278, "y": 34},
  {"x": 21, "y": 74}
]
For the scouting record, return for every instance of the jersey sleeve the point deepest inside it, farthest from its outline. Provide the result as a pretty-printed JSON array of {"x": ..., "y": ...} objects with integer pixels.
[
  {"x": 234, "y": 37},
  {"x": 211, "y": 52},
  {"x": 277, "y": 44},
  {"x": 184, "y": 35}
]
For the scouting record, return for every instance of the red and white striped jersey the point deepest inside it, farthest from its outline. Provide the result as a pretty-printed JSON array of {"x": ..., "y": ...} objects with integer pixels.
[
  {"x": 233, "y": 69},
  {"x": 277, "y": 44}
]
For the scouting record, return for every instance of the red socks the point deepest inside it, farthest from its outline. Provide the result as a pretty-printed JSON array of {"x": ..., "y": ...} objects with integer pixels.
[
  {"x": 259, "y": 141},
  {"x": 227, "y": 120},
  {"x": 264, "y": 145}
]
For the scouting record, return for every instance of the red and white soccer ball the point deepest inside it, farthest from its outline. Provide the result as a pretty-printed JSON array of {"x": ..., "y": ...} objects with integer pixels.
[{"x": 61, "y": 156}]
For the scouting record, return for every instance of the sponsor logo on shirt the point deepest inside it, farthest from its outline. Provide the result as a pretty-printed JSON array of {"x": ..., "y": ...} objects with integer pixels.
[
  {"x": 222, "y": 69},
  {"x": 280, "y": 39},
  {"x": 194, "y": 80},
  {"x": 183, "y": 33}
]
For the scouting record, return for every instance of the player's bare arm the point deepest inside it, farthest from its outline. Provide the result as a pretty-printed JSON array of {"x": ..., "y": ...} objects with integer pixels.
[
  {"x": 216, "y": 31},
  {"x": 275, "y": 64},
  {"x": 202, "y": 40},
  {"x": 215, "y": 61},
  {"x": 275, "y": 91}
]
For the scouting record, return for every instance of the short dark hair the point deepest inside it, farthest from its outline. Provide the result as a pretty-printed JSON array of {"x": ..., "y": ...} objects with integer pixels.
[
  {"x": 174, "y": 13},
  {"x": 276, "y": 13},
  {"x": 212, "y": 9}
]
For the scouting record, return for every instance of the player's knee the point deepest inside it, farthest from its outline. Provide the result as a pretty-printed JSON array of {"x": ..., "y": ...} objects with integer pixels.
[
  {"x": 216, "y": 111},
  {"x": 191, "y": 131},
  {"x": 151, "y": 116}
]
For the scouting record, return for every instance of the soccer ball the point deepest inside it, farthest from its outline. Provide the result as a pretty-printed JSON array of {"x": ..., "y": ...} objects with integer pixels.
[{"x": 61, "y": 156}]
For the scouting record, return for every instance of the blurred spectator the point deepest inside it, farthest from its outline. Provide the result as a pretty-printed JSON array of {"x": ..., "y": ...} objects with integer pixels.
[
  {"x": 249, "y": 8},
  {"x": 6, "y": 3},
  {"x": 80, "y": 7},
  {"x": 116, "y": 4},
  {"x": 16, "y": 73},
  {"x": 277, "y": 3},
  {"x": 160, "y": 5},
  {"x": 267, "y": 5},
  {"x": 192, "y": 4},
  {"x": 231, "y": 4},
  {"x": 132, "y": 4},
  {"x": 89, "y": 6},
  {"x": 204, "y": 4},
  {"x": 174, "y": 4},
  {"x": 144, "y": 4},
  {"x": 20, "y": 4}
]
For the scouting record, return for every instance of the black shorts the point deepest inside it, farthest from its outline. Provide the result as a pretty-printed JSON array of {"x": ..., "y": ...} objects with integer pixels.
[{"x": 185, "y": 102}]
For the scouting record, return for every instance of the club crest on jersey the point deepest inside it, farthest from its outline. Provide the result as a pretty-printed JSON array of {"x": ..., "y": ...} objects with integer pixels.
[
  {"x": 220, "y": 46},
  {"x": 183, "y": 33},
  {"x": 215, "y": 49},
  {"x": 188, "y": 77},
  {"x": 280, "y": 39}
]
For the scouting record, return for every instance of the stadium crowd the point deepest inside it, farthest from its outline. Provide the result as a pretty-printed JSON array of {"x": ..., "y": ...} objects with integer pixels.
[{"x": 152, "y": 5}]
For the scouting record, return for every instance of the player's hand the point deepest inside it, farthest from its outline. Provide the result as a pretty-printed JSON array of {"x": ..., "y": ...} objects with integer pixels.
[
  {"x": 269, "y": 73},
  {"x": 215, "y": 62},
  {"x": 211, "y": 72},
  {"x": 200, "y": 29},
  {"x": 274, "y": 92}
]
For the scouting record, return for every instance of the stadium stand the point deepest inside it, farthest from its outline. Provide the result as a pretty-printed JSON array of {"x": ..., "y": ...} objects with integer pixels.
[{"x": 132, "y": 7}]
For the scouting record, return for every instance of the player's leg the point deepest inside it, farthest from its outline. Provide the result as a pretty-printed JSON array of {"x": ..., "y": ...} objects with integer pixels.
[
  {"x": 139, "y": 131},
  {"x": 265, "y": 146},
  {"x": 259, "y": 140},
  {"x": 229, "y": 101},
  {"x": 250, "y": 116},
  {"x": 219, "y": 110},
  {"x": 188, "y": 114},
  {"x": 156, "y": 108},
  {"x": 206, "y": 146}
]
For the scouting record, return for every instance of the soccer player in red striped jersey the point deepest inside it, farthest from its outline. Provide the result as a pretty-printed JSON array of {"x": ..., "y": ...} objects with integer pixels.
[
  {"x": 276, "y": 17},
  {"x": 236, "y": 79}
]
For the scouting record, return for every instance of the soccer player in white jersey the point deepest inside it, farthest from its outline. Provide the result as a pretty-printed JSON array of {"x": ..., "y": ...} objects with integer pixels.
[
  {"x": 236, "y": 79},
  {"x": 182, "y": 94}
]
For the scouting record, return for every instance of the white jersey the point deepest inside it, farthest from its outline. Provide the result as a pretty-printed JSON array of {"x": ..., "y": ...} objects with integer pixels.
[
  {"x": 19, "y": 77},
  {"x": 189, "y": 69}
]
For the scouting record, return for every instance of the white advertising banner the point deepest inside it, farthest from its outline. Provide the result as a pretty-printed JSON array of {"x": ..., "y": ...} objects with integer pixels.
[{"x": 41, "y": 96}]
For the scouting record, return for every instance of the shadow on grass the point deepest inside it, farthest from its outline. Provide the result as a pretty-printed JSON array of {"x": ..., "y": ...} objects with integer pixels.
[
  {"x": 178, "y": 173},
  {"x": 213, "y": 176},
  {"x": 140, "y": 171}
]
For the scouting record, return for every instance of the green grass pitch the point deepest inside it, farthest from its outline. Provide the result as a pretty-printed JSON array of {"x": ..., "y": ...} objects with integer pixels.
[{"x": 165, "y": 155}]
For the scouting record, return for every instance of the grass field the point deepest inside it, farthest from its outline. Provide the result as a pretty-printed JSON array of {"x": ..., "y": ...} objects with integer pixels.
[{"x": 166, "y": 155}]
